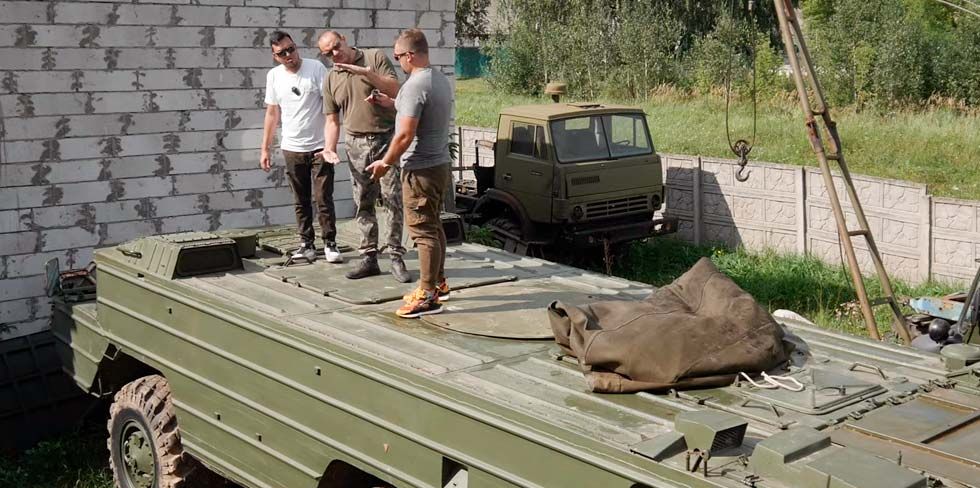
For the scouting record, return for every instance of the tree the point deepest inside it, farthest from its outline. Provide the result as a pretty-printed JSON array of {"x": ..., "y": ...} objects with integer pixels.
[{"x": 471, "y": 19}]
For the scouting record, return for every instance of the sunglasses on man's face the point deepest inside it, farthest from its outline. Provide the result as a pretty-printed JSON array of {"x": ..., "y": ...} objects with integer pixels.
[
  {"x": 285, "y": 52},
  {"x": 398, "y": 56}
]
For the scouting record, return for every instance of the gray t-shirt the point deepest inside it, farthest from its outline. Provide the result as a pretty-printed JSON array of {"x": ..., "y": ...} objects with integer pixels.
[{"x": 427, "y": 96}]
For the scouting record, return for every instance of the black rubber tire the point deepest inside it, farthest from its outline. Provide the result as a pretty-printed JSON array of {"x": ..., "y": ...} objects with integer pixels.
[
  {"x": 142, "y": 424},
  {"x": 509, "y": 225}
]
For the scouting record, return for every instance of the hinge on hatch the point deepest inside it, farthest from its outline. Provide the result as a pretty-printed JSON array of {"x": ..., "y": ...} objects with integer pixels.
[{"x": 941, "y": 383}]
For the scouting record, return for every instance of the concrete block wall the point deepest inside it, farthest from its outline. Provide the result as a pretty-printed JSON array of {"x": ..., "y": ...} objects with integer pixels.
[
  {"x": 787, "y": 208},
  {"x": 123, "y": 118}
]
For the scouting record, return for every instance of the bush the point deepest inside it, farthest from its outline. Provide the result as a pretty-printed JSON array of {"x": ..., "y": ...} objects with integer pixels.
[
  {"x": 879, "y": 53},
  {"x": 888, "y": 53},
  {"x": 957, "y": 64}
]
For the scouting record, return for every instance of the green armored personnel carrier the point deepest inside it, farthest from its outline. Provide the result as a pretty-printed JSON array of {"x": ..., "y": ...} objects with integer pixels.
[{"x": 296, "y": 377}]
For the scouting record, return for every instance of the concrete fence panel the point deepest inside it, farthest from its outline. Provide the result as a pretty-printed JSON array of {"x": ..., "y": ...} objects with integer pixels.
[
  {"x": 896, "y": 214},
  {"x": 955, "y": 239}
]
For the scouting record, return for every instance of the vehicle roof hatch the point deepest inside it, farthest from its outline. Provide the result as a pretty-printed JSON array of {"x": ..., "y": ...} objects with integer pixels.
[{"x": 182, "y": 255}]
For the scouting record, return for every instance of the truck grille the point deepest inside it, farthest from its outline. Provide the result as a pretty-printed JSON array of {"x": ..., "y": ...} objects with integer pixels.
[
  {"x": 585, "y": 180},
  {"x": 612, "y": 208}
]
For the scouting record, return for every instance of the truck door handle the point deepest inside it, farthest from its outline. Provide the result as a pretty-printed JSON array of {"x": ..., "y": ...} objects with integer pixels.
[
  {"x": 535, "y": 173},
  {"x": 508, "y": 177}
]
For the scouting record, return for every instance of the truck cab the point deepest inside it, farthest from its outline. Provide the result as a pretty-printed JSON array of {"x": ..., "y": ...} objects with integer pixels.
[{"x": 578, "y": 173}]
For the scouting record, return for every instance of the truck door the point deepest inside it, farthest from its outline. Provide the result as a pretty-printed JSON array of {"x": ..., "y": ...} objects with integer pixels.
[{"x": 529, "y": 172}]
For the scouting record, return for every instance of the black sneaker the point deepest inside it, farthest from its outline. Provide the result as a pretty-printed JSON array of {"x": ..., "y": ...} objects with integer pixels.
[
  {"x": 399, "y": 271},
  {"x": 367, "y": 267}
]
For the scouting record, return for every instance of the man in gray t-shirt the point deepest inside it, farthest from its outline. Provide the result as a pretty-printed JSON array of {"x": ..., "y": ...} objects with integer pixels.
[
  {"x": 421, "y": 144},
  {"x": 426, "y": 96}
]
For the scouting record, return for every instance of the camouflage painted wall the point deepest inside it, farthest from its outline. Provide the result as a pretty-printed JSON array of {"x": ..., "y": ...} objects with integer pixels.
[
  {"x": 786, "y": 208},
  {"x": 122, "y": 118}
]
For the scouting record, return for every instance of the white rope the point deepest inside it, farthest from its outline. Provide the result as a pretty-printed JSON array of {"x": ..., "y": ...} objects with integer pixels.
[
  {"x": 775, "y": 382},
  {"x": 797, "y": 386}
]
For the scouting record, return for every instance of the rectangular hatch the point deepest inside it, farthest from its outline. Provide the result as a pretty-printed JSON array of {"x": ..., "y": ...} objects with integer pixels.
[
  {"x": 938, "y": 432},
  {"x": 824, "y": 391}
]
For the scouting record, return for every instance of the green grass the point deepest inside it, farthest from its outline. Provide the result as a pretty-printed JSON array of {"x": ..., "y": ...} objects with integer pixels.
[
  {"x": 822, "y": 293},
  {"x": 936, "y": 146},
  {"x": 78, "y": 460}
]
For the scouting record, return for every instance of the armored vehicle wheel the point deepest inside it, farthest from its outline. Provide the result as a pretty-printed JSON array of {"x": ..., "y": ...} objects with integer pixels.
[{"x": 144, "y": 442}]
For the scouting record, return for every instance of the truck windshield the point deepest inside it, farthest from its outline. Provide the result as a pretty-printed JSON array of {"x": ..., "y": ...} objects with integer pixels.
[{"x": 599, "y": 137}]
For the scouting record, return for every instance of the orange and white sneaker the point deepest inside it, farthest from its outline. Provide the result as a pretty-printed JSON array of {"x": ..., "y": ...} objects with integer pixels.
[
  {"x": 443, "y": 289},
  {"x": 420, "y": 303}
]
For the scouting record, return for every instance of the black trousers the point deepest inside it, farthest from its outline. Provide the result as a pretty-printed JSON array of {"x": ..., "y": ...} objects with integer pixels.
[{"x": 311, "y": 179}]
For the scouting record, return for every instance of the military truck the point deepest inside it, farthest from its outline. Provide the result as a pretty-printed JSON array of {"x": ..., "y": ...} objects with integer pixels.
[
  {"x": 293, "y": 376},
  {"x": 574, "y": 175}
]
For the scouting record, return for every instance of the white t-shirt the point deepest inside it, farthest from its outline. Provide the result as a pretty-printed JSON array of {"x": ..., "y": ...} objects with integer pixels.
[{"x": 302, "y": 112}]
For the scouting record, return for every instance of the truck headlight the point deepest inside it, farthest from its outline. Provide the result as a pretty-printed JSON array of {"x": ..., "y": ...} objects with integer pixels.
[{"x": 578, "y": 213}]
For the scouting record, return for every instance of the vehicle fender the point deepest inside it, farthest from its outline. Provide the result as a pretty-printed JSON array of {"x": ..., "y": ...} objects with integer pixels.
[
  {"x": 80, "y": 342},
  {"x": 494, "y": 197}
]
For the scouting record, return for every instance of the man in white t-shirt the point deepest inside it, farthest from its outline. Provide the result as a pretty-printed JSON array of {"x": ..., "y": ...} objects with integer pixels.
[{"x": 292, "y": 95}]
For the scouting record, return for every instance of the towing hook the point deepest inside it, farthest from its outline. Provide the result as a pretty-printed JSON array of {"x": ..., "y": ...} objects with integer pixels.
[
  {"x": 742, "y": 148},
  {"x": 741, "y": 175}
]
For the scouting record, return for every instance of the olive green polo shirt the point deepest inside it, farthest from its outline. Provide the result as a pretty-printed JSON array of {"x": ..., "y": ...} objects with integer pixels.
[{"x": 345, "y": 91}]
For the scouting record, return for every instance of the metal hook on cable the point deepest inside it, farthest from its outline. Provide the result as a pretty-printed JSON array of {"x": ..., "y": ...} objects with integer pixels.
[{"x": 742, "y": 148}]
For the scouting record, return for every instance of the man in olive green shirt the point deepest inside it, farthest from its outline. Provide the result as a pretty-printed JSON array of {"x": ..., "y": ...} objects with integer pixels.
[{"x": 348, "y": 88}]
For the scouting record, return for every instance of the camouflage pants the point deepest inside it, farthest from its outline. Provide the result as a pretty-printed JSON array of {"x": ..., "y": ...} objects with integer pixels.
[{"x": 362, "y": 151}]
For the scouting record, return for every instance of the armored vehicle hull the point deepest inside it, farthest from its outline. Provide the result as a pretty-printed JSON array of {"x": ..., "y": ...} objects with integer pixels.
[{"x": 297, "y": 377}]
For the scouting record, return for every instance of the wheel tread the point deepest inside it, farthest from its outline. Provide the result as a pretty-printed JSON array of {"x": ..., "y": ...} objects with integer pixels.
[{"x": 151, "y": 396}]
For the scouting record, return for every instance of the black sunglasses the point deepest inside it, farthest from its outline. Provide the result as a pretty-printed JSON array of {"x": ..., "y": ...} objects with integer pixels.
[
  {"x": 285, "y": 52},
  {"x": 397, "y": 56}
]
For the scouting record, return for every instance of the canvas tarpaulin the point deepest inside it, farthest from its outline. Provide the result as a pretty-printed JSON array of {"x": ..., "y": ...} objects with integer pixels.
[{"x": 701, "y": 330}]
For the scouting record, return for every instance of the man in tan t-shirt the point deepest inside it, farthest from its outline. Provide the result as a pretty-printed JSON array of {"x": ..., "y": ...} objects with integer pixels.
[{"x": 369, "y": 127}]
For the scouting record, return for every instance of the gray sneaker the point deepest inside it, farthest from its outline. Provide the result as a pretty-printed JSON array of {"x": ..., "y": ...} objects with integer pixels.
[
  {"x": 367, "y": 267},
  {"x": 399, "y": 271},
  {"x": 306, "y": 251}
]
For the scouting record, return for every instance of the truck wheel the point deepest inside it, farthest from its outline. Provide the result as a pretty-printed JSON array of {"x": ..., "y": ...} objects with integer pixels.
[
  {"x": 144, "y": 442},
  {"x": 508, "y": 231}
]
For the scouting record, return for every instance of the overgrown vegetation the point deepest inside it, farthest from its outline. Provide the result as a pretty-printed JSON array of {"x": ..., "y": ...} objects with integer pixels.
[
  {"x": 894, "y": 52},
  {"x": 78, "y": 460},
  {"x": 938, "y": 146},
  {"x": 872, "y": 53},
  {"x": 482, "y": 235}
]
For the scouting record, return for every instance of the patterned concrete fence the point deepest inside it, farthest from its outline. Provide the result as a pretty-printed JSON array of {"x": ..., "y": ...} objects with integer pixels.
[
  {"x": 124, "y": 118},
  {"x": 786, "y": 208}
]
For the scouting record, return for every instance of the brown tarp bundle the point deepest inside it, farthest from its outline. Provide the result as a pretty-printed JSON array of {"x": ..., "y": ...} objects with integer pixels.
[{"x": 701, "y": 330}]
